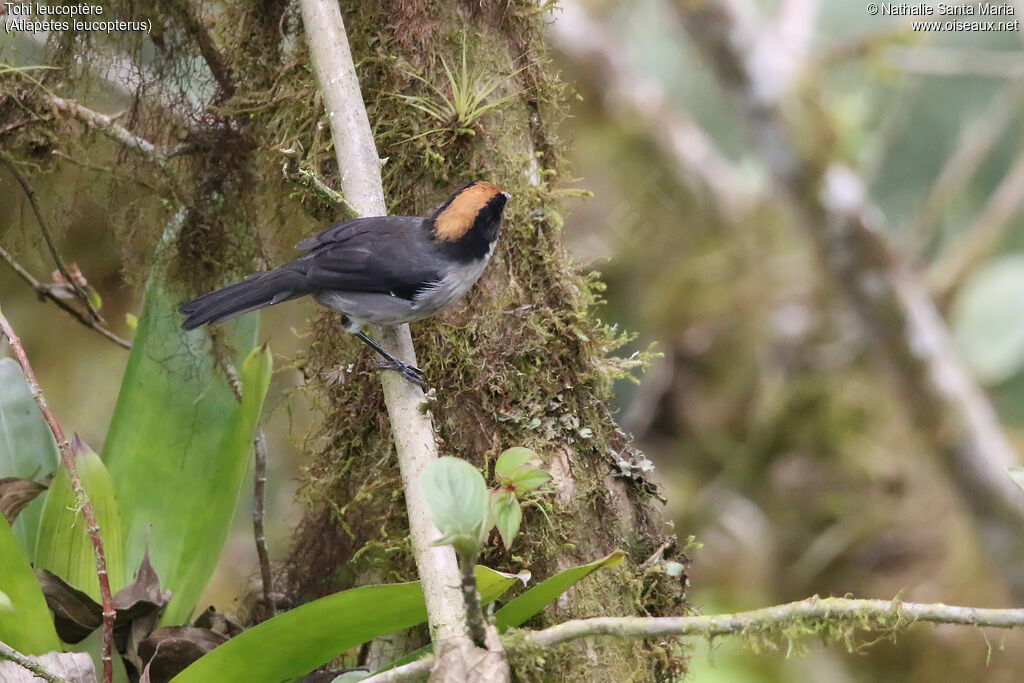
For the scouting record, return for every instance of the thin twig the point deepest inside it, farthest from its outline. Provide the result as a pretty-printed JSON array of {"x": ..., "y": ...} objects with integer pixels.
[
  {"x": 814, "y": 611},
  {"x": 193, "y": 25},
  {"x": 973, "y": 144},
  {"x": 118, "y": 133},
  {"x": 46, "y": 292},
  {"x": 83, "y": 498},
  {"x": 258, "y": 509},
  {"x": 982, "y": 237},
  {"x": 259, "y": 451},
  {"x": 10, "y": 654},
  {"x": 47, "y": 235},
  {"x": 14, "y": 125}
]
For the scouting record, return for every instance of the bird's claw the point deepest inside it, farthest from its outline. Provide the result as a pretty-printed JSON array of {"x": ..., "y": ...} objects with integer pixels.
[{"x": 409, "y": 372}]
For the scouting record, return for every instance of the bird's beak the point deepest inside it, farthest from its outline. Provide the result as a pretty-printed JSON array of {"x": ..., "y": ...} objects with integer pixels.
[{"x": 506, "y": 195}]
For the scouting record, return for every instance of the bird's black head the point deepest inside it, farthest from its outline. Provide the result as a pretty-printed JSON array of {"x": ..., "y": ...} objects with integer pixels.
[{"x": 467, "y": 224}]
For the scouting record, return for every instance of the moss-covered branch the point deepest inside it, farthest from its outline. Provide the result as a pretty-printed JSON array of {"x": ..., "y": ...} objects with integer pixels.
[
  {"x": 29, "y": 664},
  {"x": 835, "y": 616},
  {"x": 411, "y": 427},
  {"x": 116, "y": 132}
]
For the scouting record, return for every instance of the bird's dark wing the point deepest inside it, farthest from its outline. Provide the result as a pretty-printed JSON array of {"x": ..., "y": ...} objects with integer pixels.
[
  {"x": 343, "y": 232},
  {"x": 385, "y": 255}
]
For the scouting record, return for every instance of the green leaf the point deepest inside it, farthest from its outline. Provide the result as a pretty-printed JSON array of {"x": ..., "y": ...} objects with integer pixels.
[
  {"x": 5, "y": 603},
  {"x": 507, "y": 514},
  {"x": 29, "y": 627},
  {"x": 296, "y": 642},
  {"x": 514, "y": 458},
  {"x": 458, "y": 501},
  {"x": 988, "y": 319},
  {"x": 63, "y": 545},
  {"x": 27, "y": 448},
  {"x": 519, "y": 469},
  {"x": 519, "y": 609},
  {"x": 179, "y": 445},
  {"x": 1017, "y": 474},
  {"x": 528, "y": 478}
]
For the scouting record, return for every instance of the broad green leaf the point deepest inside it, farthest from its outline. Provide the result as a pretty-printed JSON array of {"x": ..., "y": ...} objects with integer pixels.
[
  {"x": 507, "y": 514},
  {"x": 27, "y": 448},
  {"x": 988, "y": 319},
  {"x": 521, "y": 608},
  {"x": 530, "y": 603},
  {"x": 514, "y": 458},
  {"x": 63, "y": 545},
  {"x": 179, "y": 445},
  {"x": 458, "y": 500},
  {"x": 29, "y": 627},
  {"x": 296, "y": 642}
]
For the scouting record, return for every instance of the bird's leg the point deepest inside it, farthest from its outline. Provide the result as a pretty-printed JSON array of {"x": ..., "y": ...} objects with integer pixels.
[{"x": 409, "y": 372}]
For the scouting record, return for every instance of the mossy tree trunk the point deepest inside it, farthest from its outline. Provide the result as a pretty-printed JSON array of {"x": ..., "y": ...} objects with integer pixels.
[{"x": 523, "y": 362}]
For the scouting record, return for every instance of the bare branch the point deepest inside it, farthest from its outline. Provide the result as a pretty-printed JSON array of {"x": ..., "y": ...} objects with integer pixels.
[
  {"x": 973, "y": 144},
  {"x": 982, "y": 237},
  {"x": 814, "y": 611},
  {"x": 68, "y": 458},
  {"x": 218, "y": 66},
  {"x": 46, "y": 292}
]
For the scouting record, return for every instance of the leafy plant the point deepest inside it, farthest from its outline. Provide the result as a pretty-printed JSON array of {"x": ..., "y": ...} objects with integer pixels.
[
  {"x": 176, "y": 455},
  {"x": 459, "y": 111},
  {"x": 518, "y": 473}
]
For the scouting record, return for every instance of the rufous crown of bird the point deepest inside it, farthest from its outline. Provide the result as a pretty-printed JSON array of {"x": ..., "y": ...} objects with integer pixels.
[{"x": 384, "y": 270}]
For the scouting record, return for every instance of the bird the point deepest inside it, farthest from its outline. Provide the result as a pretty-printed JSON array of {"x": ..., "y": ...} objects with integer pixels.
[{"x": 384, "y": 270}]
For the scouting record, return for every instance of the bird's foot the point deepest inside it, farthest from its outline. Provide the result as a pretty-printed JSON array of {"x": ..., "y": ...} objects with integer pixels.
[{"x": 409, "y": 372}]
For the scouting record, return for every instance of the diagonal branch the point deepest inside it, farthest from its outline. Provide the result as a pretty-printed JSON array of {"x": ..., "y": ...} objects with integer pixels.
[
  {"x": 983, "y": 236},
  {"x": 29, "y": 664},
  {"x": 45, "y": 292},
  {"x": 973, "y": 145},
  {"x": 211, "y": 55},
  {"x": 118, "y": 133},
  {"x": 47, "y": 236},
  {"x": 413, "y": 432}
]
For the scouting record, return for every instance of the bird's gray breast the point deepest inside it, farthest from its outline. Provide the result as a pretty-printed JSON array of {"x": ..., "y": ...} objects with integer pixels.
[{"x": 456, "y": 280}]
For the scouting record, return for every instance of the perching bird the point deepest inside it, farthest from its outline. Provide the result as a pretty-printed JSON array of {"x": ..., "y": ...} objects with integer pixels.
[{"x": 385, "y": 270}]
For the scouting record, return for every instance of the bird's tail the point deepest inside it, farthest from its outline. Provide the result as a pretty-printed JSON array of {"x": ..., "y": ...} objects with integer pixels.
[{"x": 256, "y": 291}]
